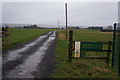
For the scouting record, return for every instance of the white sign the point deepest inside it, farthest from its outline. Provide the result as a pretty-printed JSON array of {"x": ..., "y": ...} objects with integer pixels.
[{"x": 77, "y": 50}]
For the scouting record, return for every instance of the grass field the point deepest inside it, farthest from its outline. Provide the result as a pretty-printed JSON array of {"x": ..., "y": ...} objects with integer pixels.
[
  {"x": 18, "y": 36},
  {"x": 117, "y": 50},
  {"x": 82, "y": 68}
]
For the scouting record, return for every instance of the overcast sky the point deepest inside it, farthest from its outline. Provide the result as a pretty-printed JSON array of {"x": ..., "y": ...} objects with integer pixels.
[
  {"x": 0, "y": 13},
  {"x": 79, "y": 13}
]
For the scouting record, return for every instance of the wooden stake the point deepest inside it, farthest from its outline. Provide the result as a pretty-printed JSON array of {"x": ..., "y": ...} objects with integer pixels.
[
  {"x": 109, "y": 51},
  {"x": 58, "y": 23},
  {"x": 70, "y": 46}
]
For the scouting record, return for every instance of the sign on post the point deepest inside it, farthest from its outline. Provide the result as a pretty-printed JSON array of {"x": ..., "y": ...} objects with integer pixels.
[
  {"x": 77, "y": 50},
  {"x": 91, "y": 46},
  {"x": 4, "y": 34},
  {"x": 82, "y": 47}
]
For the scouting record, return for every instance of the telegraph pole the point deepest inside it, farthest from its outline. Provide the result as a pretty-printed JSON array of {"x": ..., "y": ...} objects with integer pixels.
[
  {"x": 58, "y": 23},
  {"x": 66, "y": 18}
]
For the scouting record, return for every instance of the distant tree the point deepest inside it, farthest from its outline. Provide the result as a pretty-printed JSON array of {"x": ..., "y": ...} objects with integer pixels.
[
  {"x": 77, "y": 27},
  {"x": 109, "y": 27},
  {"x": 34, "y": 26}
]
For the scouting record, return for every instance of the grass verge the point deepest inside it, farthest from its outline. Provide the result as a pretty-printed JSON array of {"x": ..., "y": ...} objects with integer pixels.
[
  {"x": 18, "y": 36},
  {"x": 82, "y": 68}
]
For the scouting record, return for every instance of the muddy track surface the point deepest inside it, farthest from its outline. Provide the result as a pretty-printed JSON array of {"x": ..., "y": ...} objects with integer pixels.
[{"x": 34, "y": 59}]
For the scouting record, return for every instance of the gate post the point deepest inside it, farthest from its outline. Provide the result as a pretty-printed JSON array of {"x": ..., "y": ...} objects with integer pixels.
[
  {"x": 70, "y": 46},
  {"x": 113, "y": 48},
  {"x": 109, "y": 51}
]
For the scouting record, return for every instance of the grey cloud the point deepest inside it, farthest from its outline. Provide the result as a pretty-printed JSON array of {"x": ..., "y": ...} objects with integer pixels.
[{"x": 94, "y": 13}]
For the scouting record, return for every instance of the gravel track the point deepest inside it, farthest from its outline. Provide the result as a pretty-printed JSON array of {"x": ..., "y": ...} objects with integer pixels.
[{"x": 33, "y": 59}]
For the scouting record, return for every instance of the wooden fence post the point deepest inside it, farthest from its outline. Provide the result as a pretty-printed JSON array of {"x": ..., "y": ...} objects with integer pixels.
[
  {"x": 109, "y": 51},
  {"x": 70, "y": 46}
]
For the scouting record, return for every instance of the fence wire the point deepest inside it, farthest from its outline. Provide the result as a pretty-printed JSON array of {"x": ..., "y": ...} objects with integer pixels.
[
  {"x": 116, "y": 60},
  {"x": 118, "y": 38},
  {"x": 118, "y": 45},
  {"x": 116, "y": 64}
]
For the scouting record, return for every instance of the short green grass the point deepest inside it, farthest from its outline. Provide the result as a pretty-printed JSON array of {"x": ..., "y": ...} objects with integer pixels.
[
  {"x": 18, "y": 36},
  {"x": 91, "y": 35},
  {"x": 82, "y": 68},
  {"x": 117, "y": 50}
]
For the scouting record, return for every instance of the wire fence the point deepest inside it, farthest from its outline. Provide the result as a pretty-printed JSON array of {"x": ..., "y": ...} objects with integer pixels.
[
  {"x": 116, "y": 50},
  {"x": 118, "y": 46},
  {"x": 118, "y": 39}
]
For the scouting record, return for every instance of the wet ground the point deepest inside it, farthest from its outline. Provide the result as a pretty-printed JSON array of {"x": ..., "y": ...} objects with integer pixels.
[{"x": 34, "y": 59}]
